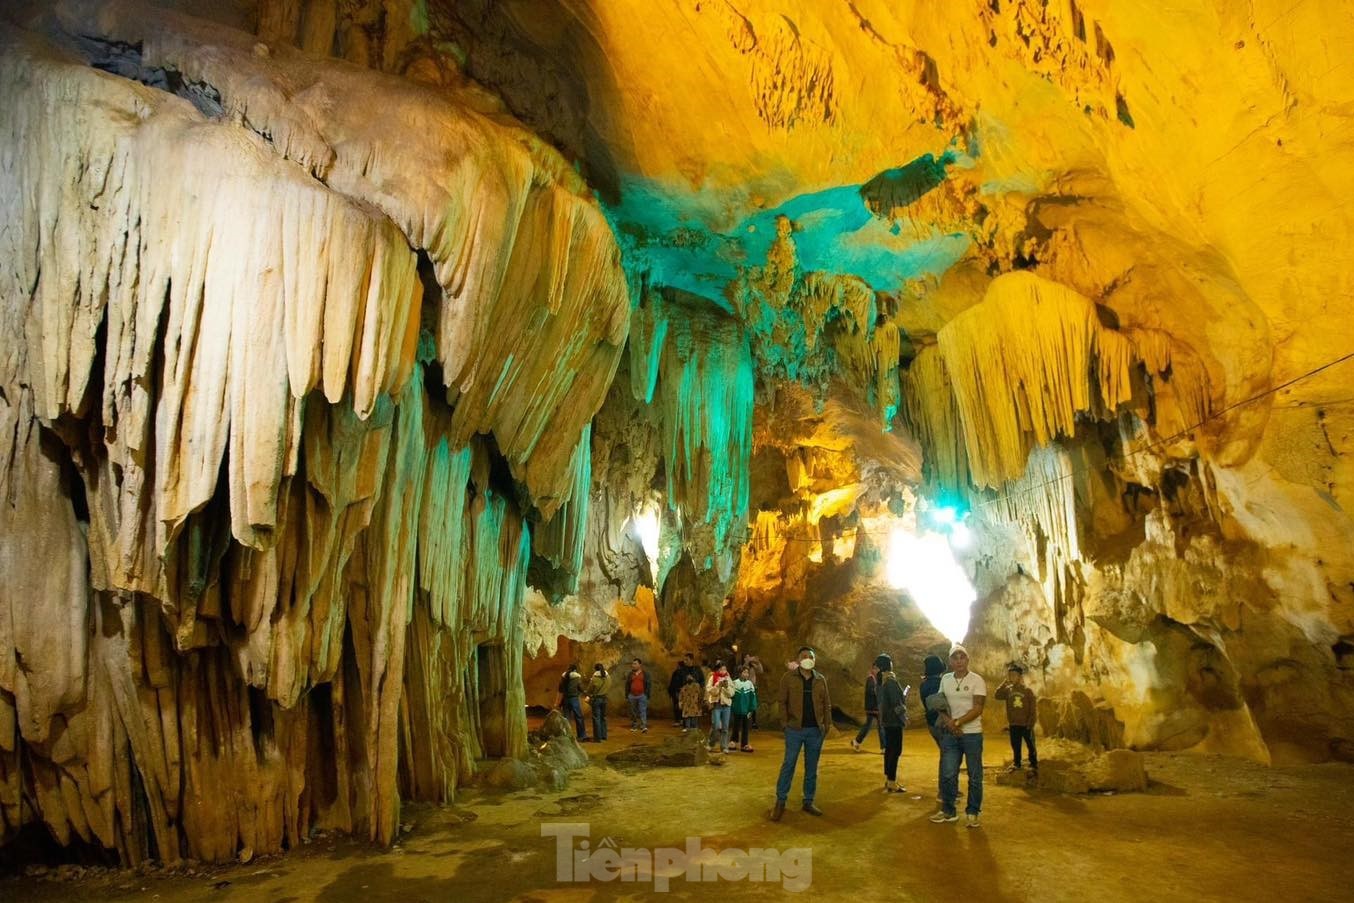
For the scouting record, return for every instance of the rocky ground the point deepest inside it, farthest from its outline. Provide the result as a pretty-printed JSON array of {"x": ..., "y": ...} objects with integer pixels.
[{"x": 1205, "y": 829}]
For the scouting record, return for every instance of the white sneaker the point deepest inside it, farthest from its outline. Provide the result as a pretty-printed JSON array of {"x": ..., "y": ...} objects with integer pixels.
[
  {"x": 941, "y": 818},
  {"x": 855, "y": 744},
  {"x": 973, "y": 822}
]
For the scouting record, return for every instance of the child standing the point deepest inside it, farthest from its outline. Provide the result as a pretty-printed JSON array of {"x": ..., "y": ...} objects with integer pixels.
[
  {"x": 719, "y": 696},
  {"x": 744, "y": 707},
  {"x": 1020, "y": 713},
  {"x": 690, "y": 699}
]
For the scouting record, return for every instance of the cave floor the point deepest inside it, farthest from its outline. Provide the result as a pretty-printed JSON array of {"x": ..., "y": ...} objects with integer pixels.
[{"x": 1208, "y": 829}]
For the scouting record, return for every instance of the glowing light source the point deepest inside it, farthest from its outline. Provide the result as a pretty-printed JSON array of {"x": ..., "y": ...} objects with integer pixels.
[
  {"x": 925, "y": 567},
  {"x": 960, "y": 535},
  {"x": 646, "y": 525}
]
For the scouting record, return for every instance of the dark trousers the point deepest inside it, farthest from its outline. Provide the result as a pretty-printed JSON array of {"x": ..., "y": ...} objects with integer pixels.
[
  {"x": 599, "y": 717},
  {"x": 893, "y": 748},
  {"x": 676, "y": 707},
  {"x": 574, "y": 706},
  {"x": 1023, "y": 732},
  {"x": 740, "y": 730},
  {"x": 871, "y": 718}
]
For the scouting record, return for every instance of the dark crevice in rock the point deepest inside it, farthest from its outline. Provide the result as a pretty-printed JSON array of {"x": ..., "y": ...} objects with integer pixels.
[{"x": 125, "y": 61}]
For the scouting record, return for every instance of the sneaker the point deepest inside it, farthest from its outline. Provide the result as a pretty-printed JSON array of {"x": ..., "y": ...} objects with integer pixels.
[
  {"x": 973, "y": 821},
  {"x": 746, "y": 748},
  {"x": 811, "y": 809},
  {"x": 644, "y": 730},
  {"x": 894, "y": 787},
  {"x": 855, "y": 744},
  {"x": 634, "y": 730},
  {"x": 941, "y": 817}
]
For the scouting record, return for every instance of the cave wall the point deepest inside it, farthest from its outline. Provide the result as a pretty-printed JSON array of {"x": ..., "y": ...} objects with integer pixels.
[
  {"x": 1103, "y": 250},
  {"x": 331, "y": 391},
  {"x": 298, "y": 357}
]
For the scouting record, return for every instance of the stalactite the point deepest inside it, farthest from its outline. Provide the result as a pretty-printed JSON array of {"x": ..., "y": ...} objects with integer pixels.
[
  {"x": 1023, "y": 364},
  {"x": 560, "y": 540},
  {"x": 930, "y": 411},
  {"x": 506, "y": 224},
  {"x": 705, "y": 394},
  {"x": 94, "y": 238},
  {"x": 1043, "y": 503},
  {"x": 1179, "y": 374},
  {"x": 214, "y": 414}
]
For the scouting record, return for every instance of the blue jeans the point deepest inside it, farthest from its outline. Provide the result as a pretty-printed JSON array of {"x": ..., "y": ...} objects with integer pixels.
[
  {"x": 810, "y": 739},
  {"x": 599, "y": 717},
  {"x": 574, "y": 706},
  {"x": 865, "y": 729},
  {"x": 719, "y": 725},
  {"x": 639, "y": 711},
  {"x": 968, "y": 747}
]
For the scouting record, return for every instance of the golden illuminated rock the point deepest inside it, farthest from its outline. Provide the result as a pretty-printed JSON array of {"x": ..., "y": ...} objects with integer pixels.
[{"x": 352, "y": 354}]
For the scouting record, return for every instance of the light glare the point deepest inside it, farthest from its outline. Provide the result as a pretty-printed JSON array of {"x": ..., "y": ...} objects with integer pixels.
[
  {"x": 960, "y": 535},
  {"x": 925, "y": 567},
  {"x": 646, "y": 528}
]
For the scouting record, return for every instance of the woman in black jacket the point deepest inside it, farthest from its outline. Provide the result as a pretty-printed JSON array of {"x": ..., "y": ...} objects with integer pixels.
[{"x": 892, "y": 717}]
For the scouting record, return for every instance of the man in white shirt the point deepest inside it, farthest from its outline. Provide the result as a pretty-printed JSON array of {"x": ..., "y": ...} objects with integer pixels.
[{"x": 962, "y": 739}]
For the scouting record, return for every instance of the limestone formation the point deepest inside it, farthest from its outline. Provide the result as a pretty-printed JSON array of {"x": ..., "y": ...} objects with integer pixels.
[
  {"x": 270, "y": 479},
  {"x": 364, "y": 363}
]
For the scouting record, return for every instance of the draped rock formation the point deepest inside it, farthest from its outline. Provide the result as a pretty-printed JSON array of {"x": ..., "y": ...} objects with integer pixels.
[
  {"x": 354, "y": 348},
  {"x": 294, "y": 363}
]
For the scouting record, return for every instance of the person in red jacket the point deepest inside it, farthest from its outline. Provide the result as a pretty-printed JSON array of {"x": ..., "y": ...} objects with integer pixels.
[{"x": 637, "y": 694}]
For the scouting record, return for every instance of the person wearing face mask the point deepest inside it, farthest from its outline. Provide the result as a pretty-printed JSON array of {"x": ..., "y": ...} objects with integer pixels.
[{"x": 808, "y": 715}]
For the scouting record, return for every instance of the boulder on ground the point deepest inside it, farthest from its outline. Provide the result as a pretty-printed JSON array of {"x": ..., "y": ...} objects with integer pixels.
[
  {"x": 673, "y": 752},
  {"x": 1067, "y": 767}
]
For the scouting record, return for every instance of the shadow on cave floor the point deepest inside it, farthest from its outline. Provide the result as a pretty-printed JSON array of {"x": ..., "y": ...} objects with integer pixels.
[{"x": 1208, "y": 828}]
